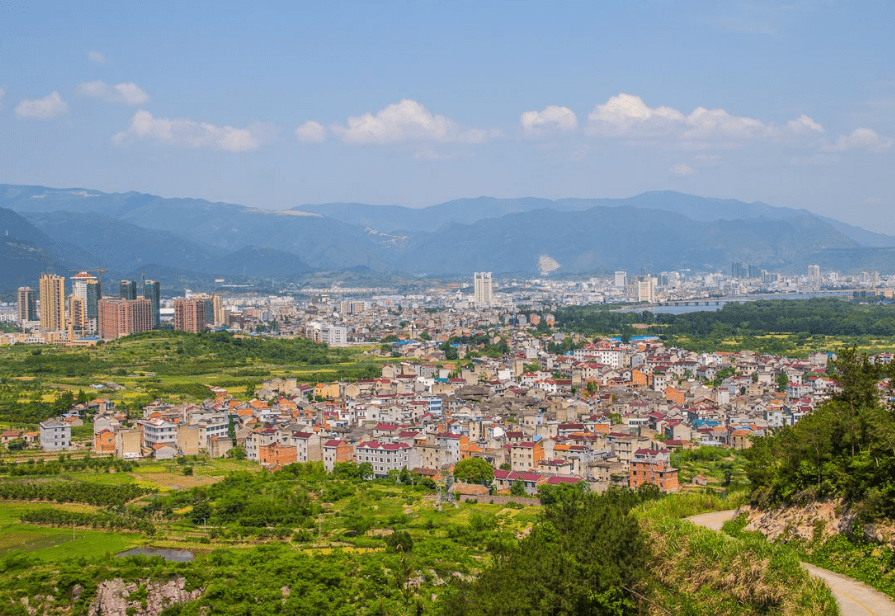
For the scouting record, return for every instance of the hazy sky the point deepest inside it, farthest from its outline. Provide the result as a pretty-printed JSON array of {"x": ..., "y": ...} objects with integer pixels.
[{"x": 274, "y": 104}]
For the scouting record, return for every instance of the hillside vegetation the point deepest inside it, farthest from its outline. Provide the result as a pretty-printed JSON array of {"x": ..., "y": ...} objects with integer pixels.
[
  {"x": 39, "y": 382},
  {"x": 844, "y": 449},
  {"x": 791, "y": 327}
]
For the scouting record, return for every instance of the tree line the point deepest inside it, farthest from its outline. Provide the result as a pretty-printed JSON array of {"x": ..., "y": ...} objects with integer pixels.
[
  {"x": 843, "y": 449},
  {"x": 72, "y": 492},
  {"x": 817, "y": 316}
]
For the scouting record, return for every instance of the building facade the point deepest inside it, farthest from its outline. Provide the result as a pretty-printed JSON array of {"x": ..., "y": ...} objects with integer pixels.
[
  {"x": 52, "y": 303},
  {"x": 191, "y": 315},
  {"x": 122, "y": 317},
  {"x": 26, "y": 308},
  {"x": 55, "y": 435},
  {"x": 152, "y": 292},
  {"x": 128, "y": 289},
  {"x": 482, "y": 289}
]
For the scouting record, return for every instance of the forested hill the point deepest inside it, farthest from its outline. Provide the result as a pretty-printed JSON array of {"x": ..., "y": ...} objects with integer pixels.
[
  {"x": 845, "y": 449},
  {"x": 658, "y": 231}
]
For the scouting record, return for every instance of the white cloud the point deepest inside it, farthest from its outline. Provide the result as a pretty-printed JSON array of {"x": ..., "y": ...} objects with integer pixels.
[
  {"x": 44, "y": 108},
  {"x": 628, "y": 116},
  {"x": 408, "y": 122},
  {"x": 860, "y": 138},
  {"x": 874, "y": 201},
  {"x": 681, "y": 169},
  {"x": 124, "y": 93},
  {"x": 190, "y": 133},
  {"x": 97, "y": 57},
  {"x": 311, "y": 132},
  {"x": 803, "y": 125},
  {"x": 551, "y": 119}
]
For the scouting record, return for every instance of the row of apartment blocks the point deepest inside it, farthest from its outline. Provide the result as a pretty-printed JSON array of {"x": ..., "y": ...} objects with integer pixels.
[{"x": 89, "y": 313}]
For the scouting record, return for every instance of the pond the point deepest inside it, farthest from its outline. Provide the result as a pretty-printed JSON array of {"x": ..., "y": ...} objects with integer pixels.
[{"x": 180, "y": 556}]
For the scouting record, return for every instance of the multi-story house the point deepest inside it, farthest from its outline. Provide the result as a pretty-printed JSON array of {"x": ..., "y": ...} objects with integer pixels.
[
  {"x": 386, "y": 457},
  {"x": 55, "y": 435}
]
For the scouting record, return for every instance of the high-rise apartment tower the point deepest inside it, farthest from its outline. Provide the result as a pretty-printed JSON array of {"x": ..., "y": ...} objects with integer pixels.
[
  {"x": 482, "y": 287},
  {"x": 152, "y": 292},
  {"x": 52, "y": 302},
  {"x": 27, "y": 305}
]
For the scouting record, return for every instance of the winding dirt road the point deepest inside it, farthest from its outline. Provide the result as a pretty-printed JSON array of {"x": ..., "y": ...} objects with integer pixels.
[{"x": 854, "y": 598}]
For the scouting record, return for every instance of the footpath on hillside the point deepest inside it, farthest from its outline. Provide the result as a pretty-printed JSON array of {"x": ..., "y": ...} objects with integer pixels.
[{"x": 854, "y": 598}]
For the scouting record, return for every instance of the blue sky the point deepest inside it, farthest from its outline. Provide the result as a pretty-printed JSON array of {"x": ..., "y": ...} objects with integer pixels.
[{"x": 277, "y": 104}]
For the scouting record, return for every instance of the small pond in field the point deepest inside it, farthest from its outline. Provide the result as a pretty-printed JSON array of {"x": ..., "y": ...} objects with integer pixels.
[{"x": 180, "y": 556}]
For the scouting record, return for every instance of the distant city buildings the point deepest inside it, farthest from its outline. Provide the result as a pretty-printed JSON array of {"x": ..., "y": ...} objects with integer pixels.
[
  {"x": 334, "y": 335},
  {"x": 482, "y": 289},
  {"x": 193, "y": 314},
  {"x": 26, "y": 306},
  {"x": 152, "y": 292},
  {"x": 621, "y": 279},
  {"x": 128, "y": 289},
  {"x": 646, "y": 289},
  {"x": 84, "y": 304},
  {"x": 122, "y": 317},
  {"x": 52, "y": 302},
  {"x": 814, "y": 275}
]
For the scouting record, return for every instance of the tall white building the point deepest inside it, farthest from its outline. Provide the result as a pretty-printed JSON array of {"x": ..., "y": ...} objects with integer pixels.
[
  {"x": 621, "y": 279},
  {"x": 646, "y": 290},
  {"x": 482, "y": 284},
  {"x": 334, "y": 335},
  {"x": 814, "y": 275}
]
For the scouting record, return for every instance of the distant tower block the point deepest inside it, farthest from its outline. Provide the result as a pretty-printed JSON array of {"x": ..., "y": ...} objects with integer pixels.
[
  {"x": 128, "y": 289},
  {"x": 482, "y": 286},
  {"x": 52, "y": 303},
  {"x": 621, "y": 279},
  {"x": 814, "y": 275},
  {"x": 26, "y": 307},
  {"x": 152, "y": 292}
]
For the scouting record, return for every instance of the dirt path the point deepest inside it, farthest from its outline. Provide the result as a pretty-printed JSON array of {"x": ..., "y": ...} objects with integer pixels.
[{"x": 854, "y": 598}]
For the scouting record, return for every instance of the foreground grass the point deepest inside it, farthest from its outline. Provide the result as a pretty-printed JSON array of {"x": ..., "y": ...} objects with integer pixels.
[
  {"x": 861, "y": 560},
  {"x": 701, "y": 572},
  {"x": 57, "y": 543}
]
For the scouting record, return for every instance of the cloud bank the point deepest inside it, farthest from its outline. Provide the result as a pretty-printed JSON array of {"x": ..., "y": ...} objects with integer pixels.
[
  {"x": 189, "y": 133},
  {"x": 628, "y": 116},
  {"x": 45, "y": 108},
  {"x": 408, "y": 122},
  {"x": 123, "y": 93},
  {"x": 553, "y": 119}
]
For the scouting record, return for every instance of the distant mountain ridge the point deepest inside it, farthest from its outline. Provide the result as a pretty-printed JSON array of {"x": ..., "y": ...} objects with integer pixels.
[{"x": 659, "y": 231}]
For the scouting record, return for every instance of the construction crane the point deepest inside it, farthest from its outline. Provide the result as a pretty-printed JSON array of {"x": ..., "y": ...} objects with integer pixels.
[{"x": 99, "y": 274}]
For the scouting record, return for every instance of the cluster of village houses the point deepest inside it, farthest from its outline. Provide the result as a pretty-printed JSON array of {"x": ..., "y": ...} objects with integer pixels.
[{"x": 609, "y": 413}]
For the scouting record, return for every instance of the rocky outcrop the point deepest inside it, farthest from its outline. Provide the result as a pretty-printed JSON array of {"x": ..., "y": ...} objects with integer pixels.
[
  {"x": 143, "y": 598},
  {"x": 815, "y": 522}
]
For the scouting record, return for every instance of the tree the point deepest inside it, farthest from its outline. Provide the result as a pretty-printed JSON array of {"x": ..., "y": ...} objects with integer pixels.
[
  {"x": 551, "y": 494},
  {"x": 237, "y": 453},
  {"x": 844, "y": 449},
  {"x": 517, "y": 488},
  {"x": 581, "y": 556},
  {"x": 782, "y": 381},
  {"x": 474, "y": 470},
  {"x": 231, "y": 429},
  {"x": 400, "y": 541}
]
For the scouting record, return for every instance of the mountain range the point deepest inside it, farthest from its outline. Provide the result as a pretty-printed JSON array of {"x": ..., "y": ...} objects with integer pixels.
[{"x": 192, "y": 241}]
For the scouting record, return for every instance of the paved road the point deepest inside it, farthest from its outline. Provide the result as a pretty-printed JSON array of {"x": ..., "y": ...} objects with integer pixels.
[{"x": 854, "y": 598}]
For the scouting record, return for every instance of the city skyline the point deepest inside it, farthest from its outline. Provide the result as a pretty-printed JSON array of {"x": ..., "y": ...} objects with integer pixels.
[{"x": 412, "y": 104}]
